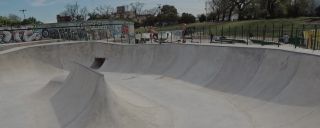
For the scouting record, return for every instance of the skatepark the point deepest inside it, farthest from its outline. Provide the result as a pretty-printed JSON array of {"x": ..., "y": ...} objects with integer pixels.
[{"x": 92, "y": 84}]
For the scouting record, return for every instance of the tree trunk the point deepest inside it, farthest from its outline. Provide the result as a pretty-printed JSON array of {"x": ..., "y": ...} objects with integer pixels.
[
  {"x": 230, "y": 13},
  {"x": 240, "y": 9},
  {"x": 223, "y": 15}
]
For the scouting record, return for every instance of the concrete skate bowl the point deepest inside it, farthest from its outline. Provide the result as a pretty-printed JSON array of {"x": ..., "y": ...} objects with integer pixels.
[{"x": 100, "y": 85}]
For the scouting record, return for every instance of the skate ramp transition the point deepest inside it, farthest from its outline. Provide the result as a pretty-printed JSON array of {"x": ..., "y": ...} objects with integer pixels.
[{"x": 101, "y": 85}]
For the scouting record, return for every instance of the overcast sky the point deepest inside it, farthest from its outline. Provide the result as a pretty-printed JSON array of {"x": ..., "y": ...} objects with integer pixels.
[{"x": 46, "y": 10}]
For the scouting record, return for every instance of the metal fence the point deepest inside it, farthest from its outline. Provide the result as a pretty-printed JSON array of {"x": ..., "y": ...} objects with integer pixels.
[
  {"x": 304, "y": 36},
  {"x": 113, "y": 32}
]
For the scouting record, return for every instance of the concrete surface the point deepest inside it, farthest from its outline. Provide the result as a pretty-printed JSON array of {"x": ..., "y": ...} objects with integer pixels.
[{"x": 158, "y": 86}]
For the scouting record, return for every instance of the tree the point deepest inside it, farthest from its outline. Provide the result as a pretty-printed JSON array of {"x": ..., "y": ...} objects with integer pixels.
[
  {"x": 14, "y": 17},
  {"x": 202, "y": 18},
  {"x": 222, "y": 9},
  {"x": 153, "y": 11},
  {"x": 187, "y": 18},
  {"x": 270, "y": 6},
  {"x": 13, "y": 20},
  {"x": 84, "y": 13},
  {"x": 318, "y": 11},
  {"x": 300, "y": 8},
  {"x": 30, "y": 20},
  {"x": 137, "y": 7},
  {"x": 101, "y": 12},
  {"x": 168, "y": 15},
  {"x": 150, "y": 21},
  {"x": 104, "y": 10},
  {"x": 241, "y": 6},
  {"x": 211, "y": 16},
  {"x": 71, "y": 10}
]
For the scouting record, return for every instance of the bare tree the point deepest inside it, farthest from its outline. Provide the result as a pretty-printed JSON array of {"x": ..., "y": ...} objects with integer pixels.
[
  {"x": 153, "y": 11},
  {"x": 222, "y": 9},
  {"x": 104, "y": 10},
  {"x": 137, "y": 7},
  {"x": 84, "y": 13},
  {"x": 71, "y": 10}
]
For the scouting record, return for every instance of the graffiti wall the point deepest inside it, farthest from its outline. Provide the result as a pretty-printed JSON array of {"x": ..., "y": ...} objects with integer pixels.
[
  {"x": 115, "y": 31},
  {"x": 312, "y": 39},
  {"x": 9, "y": 36}
]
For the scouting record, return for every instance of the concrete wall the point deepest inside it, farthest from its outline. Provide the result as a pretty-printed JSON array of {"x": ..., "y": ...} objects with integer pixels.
[{"x": 116, "y": 31}]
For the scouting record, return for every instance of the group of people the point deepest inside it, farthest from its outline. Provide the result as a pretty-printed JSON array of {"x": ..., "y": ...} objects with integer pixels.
[{"x": 154, "y": 34}]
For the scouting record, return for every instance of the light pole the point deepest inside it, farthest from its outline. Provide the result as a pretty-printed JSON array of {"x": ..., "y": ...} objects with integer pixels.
[
  {"x": 206, "y": 8},
  {"x": 23, "y": 12}
]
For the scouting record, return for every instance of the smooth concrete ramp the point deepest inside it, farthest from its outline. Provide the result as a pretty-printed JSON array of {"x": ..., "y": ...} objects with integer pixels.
[{"x": 158, "y": 86}]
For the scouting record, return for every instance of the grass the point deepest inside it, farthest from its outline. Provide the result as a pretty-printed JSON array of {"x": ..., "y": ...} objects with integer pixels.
[{"x": 258, "y": 28}]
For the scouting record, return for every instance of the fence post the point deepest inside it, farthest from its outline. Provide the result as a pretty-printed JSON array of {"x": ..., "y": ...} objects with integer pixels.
[
  {"x": 199, "y": 32},
  {"x": 121, "y": 38},
  {"x": 292, "y": 30},
  {"x": 257, "y": 34},
  {"x": 264, "y": 32},
  {"x": 281, "y": 30},
  {"x": 292, "y": 33},
  {"x": 151, "y": 38},
  {"x": 222, "y": 34},
  {"x": 279, "y": 35},
  {"x": 272, "y": 32},
  {"x": 160, "y": 41},
  {"x": 248, "y": 34},
  {"x": 242, "y": 32},
  {"x": 229, "y": 31},
  {"x": 204, "y": 32},
  {"x": 129, "y": 38},
  {"x": 297, "y": 39},
  {"x": 107, "y": 36},
  {"x": 171, "y": 36},
  {"x": 303, "y": 40},
  {"x": 315, "y": 37},
  {"x": 217, "y": 33},
  {"x": 235, "y": 32}
]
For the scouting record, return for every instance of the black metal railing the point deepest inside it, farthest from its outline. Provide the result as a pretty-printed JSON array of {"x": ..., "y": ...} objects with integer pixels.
[{"x": 303, "y": 36}]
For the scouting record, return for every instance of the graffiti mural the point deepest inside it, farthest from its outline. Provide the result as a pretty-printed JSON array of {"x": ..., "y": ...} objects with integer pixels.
[
  {"x": 117, "y": 31},
  {"x": 19, "y": 36}
]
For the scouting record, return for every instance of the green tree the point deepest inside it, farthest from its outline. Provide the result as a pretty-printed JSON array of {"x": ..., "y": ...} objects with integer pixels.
[
  {"x": 30, "y": 20},
  {"x": 187, "y": 18},
  {"x": 168, "y": 15},
  {"x": 202, "y": 18},
  {"x": 318, "y": 11},
  {"x": 300, "y": 8},
  {"x": 241, "y": 6}
]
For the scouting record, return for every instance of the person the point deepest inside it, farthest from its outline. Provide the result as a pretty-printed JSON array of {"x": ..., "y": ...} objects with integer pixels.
[
  {"x": 211, "y": 36},
  {"x": 184, "y": 33},
  {"x": 286, "y": 38},
  {"x": 153, "y": 33}
]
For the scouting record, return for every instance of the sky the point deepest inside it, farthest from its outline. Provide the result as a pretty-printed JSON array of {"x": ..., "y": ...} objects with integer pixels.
[{"x": 46, "y": 10}]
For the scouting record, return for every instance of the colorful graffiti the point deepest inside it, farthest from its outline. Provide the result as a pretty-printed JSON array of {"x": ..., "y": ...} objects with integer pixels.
[
  {"x": 19, "y": 36},
  {"x": 312, "y": 39},
  {"x": 93, "y": 30}
]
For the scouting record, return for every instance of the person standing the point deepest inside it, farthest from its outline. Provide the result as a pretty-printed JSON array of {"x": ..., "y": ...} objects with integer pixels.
[{"x": 184, "y": 33}]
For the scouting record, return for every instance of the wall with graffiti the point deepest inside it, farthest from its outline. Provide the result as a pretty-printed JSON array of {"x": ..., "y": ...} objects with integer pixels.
[{"x": 115, "y": 31}]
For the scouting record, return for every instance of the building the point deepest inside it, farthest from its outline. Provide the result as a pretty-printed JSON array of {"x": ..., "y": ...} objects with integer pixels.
[
  {"x": 121, "y": 9},
  {"x": 62, "y": 19},
  {"x": 123, "y": 13}
]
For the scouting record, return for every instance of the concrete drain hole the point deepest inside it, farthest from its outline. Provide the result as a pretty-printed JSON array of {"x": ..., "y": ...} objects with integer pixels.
[{"x": 98, "y": 62}]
